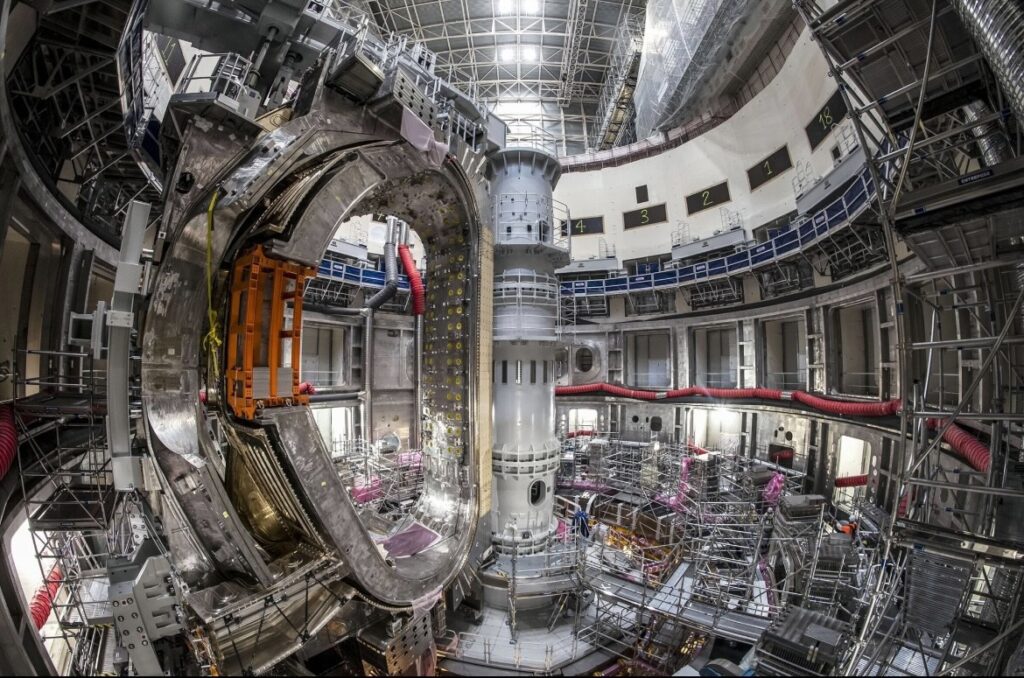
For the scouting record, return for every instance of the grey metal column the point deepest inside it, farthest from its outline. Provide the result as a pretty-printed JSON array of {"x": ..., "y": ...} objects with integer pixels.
[
  {"x": 120, "y": 320},
  {"x": 527, "y": 250}
]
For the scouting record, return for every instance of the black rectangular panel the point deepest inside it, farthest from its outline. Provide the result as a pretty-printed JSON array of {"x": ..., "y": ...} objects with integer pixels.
[
  {"x": 769, "y": 168},
  {"x": 641, "y": 194},
  {"x": 828, "y": 117},
  {"x": 709, "y": 197},
  {"x": 584, "y": 226},
  {"x": 655, "y": 214}
]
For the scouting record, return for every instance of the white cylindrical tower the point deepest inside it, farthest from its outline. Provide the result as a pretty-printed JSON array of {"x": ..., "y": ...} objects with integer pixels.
[{"x": 528, "y": 247}]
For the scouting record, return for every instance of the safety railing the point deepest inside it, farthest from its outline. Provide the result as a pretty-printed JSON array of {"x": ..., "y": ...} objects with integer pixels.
[
  {"x": 523, "y": 133},
  {"x": 717, "y": 379},
  {"x": 532, "y": 218},
  {"x": 223, "y": 73},
  {"x": 805, "y": 234},
  {"x": 522, "y": 654},
  {"x": 651, "y": 379},
  {"x": 837, "y": 214},
  {"x": 786, "y": 381},
  {"x": 357, "y": 275},
  {"x": 525, "y": 304},
  {"x": 323, "y": 378}
]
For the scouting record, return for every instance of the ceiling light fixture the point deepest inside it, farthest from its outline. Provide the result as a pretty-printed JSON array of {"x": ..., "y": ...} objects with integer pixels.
[
  {"x": 530, "y": 6},
  {"x": 505, "y": 6},
  {"x": 508, "y": 54},
  {"x": 529, "y": 54}
]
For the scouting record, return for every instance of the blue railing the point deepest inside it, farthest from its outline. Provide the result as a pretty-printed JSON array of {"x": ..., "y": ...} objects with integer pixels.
[
  {"x": 355, "y": 275},
  {"x": 834, "y": 216}
]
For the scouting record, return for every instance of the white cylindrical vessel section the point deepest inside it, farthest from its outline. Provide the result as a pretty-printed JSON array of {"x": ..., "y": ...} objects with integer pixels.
[{"x": 525, "y": 450}]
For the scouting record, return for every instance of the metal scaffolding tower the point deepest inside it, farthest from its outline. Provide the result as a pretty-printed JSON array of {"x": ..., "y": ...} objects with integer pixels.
[{"x": 924, "y": 104}]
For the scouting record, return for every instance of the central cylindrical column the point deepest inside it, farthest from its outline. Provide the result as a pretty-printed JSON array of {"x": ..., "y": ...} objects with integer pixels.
[{"x": 527, "y": 250}]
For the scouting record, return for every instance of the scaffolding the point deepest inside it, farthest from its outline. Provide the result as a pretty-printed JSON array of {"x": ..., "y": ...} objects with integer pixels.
[
  {"x": 680, "y": 542},
  {"x": 76, "y": 520},
  {"x": 384, "y": 481},
  {"x": 941, "y": 591}
]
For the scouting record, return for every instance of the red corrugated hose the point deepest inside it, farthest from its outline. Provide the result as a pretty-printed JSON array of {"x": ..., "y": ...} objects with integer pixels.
[
  {"x": 419, "y": 304},
  {"x": 852, "y": 481},
  {"x": 965, "y": 445},
  {"x": 8, "y": 439},
  {"x": 42, "y": 601}
]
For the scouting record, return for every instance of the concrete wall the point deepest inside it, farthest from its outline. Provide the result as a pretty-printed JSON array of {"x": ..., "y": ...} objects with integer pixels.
[{"x": 773, "y": 118}]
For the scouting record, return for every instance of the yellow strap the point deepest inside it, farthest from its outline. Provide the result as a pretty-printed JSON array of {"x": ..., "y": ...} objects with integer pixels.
[{"x": 212, "y": 340}]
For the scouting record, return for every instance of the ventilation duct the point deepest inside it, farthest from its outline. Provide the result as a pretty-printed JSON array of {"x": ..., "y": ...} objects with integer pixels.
[
  {"x": 998, "y": 28},
  {"x": 390, "y": 271},
  {"x": 995, "y": 148}
]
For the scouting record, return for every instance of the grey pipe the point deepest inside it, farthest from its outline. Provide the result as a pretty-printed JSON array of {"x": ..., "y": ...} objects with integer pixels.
[
  {"x": 417, "y": 417},
  {"x": 994, "y": 146},
  {"x": 368, "y": 378},
  {"x": 1020, "y": 286},
  {"x": 390, "y": 271},
  {"x": 335, "y": 397},
  {"x": 998, "y": 28}
]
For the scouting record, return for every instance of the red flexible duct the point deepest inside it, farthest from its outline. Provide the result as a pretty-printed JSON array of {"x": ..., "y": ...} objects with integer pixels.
[
  {"x": 419, "y": 304},
  {"x": 42, "y": 601},
  {"x": 696, "y": 449},
  {"x": 966, "y": 446},
  {"x": 901, "y": 509},
  {"x": 307, "y": 388},
  {"x": 852, "y": 481},
  {"x": 856, "y": 409},
  {"x": 8, "y": 439}
]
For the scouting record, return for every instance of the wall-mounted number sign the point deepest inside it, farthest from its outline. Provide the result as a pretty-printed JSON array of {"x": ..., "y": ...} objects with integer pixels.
[
  {"x": 828, "y": 117},
  {"x": 709, "y": 197},
  {"x": 655, "y": 214},
  {"x": 583, "y": 226},
  {"x": 769, "y": 168}
]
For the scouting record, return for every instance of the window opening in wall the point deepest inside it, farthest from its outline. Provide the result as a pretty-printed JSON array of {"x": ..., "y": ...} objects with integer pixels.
[
  {"x": 533, "y": 371},
  {"x": 649, "y": 359},
  {"x": 641, "y": 194},
  {"x": 337, "y": 428},
  {"x": 785, "y": 354},
  {"x": 545, "y": 364},
  {"x": 855, "y": 329},
  {"x": 853, "y": 459},
  {"x": 584, "y": 359},
  {"x": 781, "y": 455},
  {"x": 538, "y": 490},
  {"x": 561, "y": 364},
  {"x": 724, "y": 429},
  {"x": 582, "y": 419},
  {"x": 715, "y": 357},
  {"x": 504, "y": 371},
  {"x": 944, "y": 380},
  {"x": 655, "y": 424}
]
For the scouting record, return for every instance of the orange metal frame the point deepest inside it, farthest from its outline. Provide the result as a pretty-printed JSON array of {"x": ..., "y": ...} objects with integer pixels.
[{"x": 253, "y": 276}]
